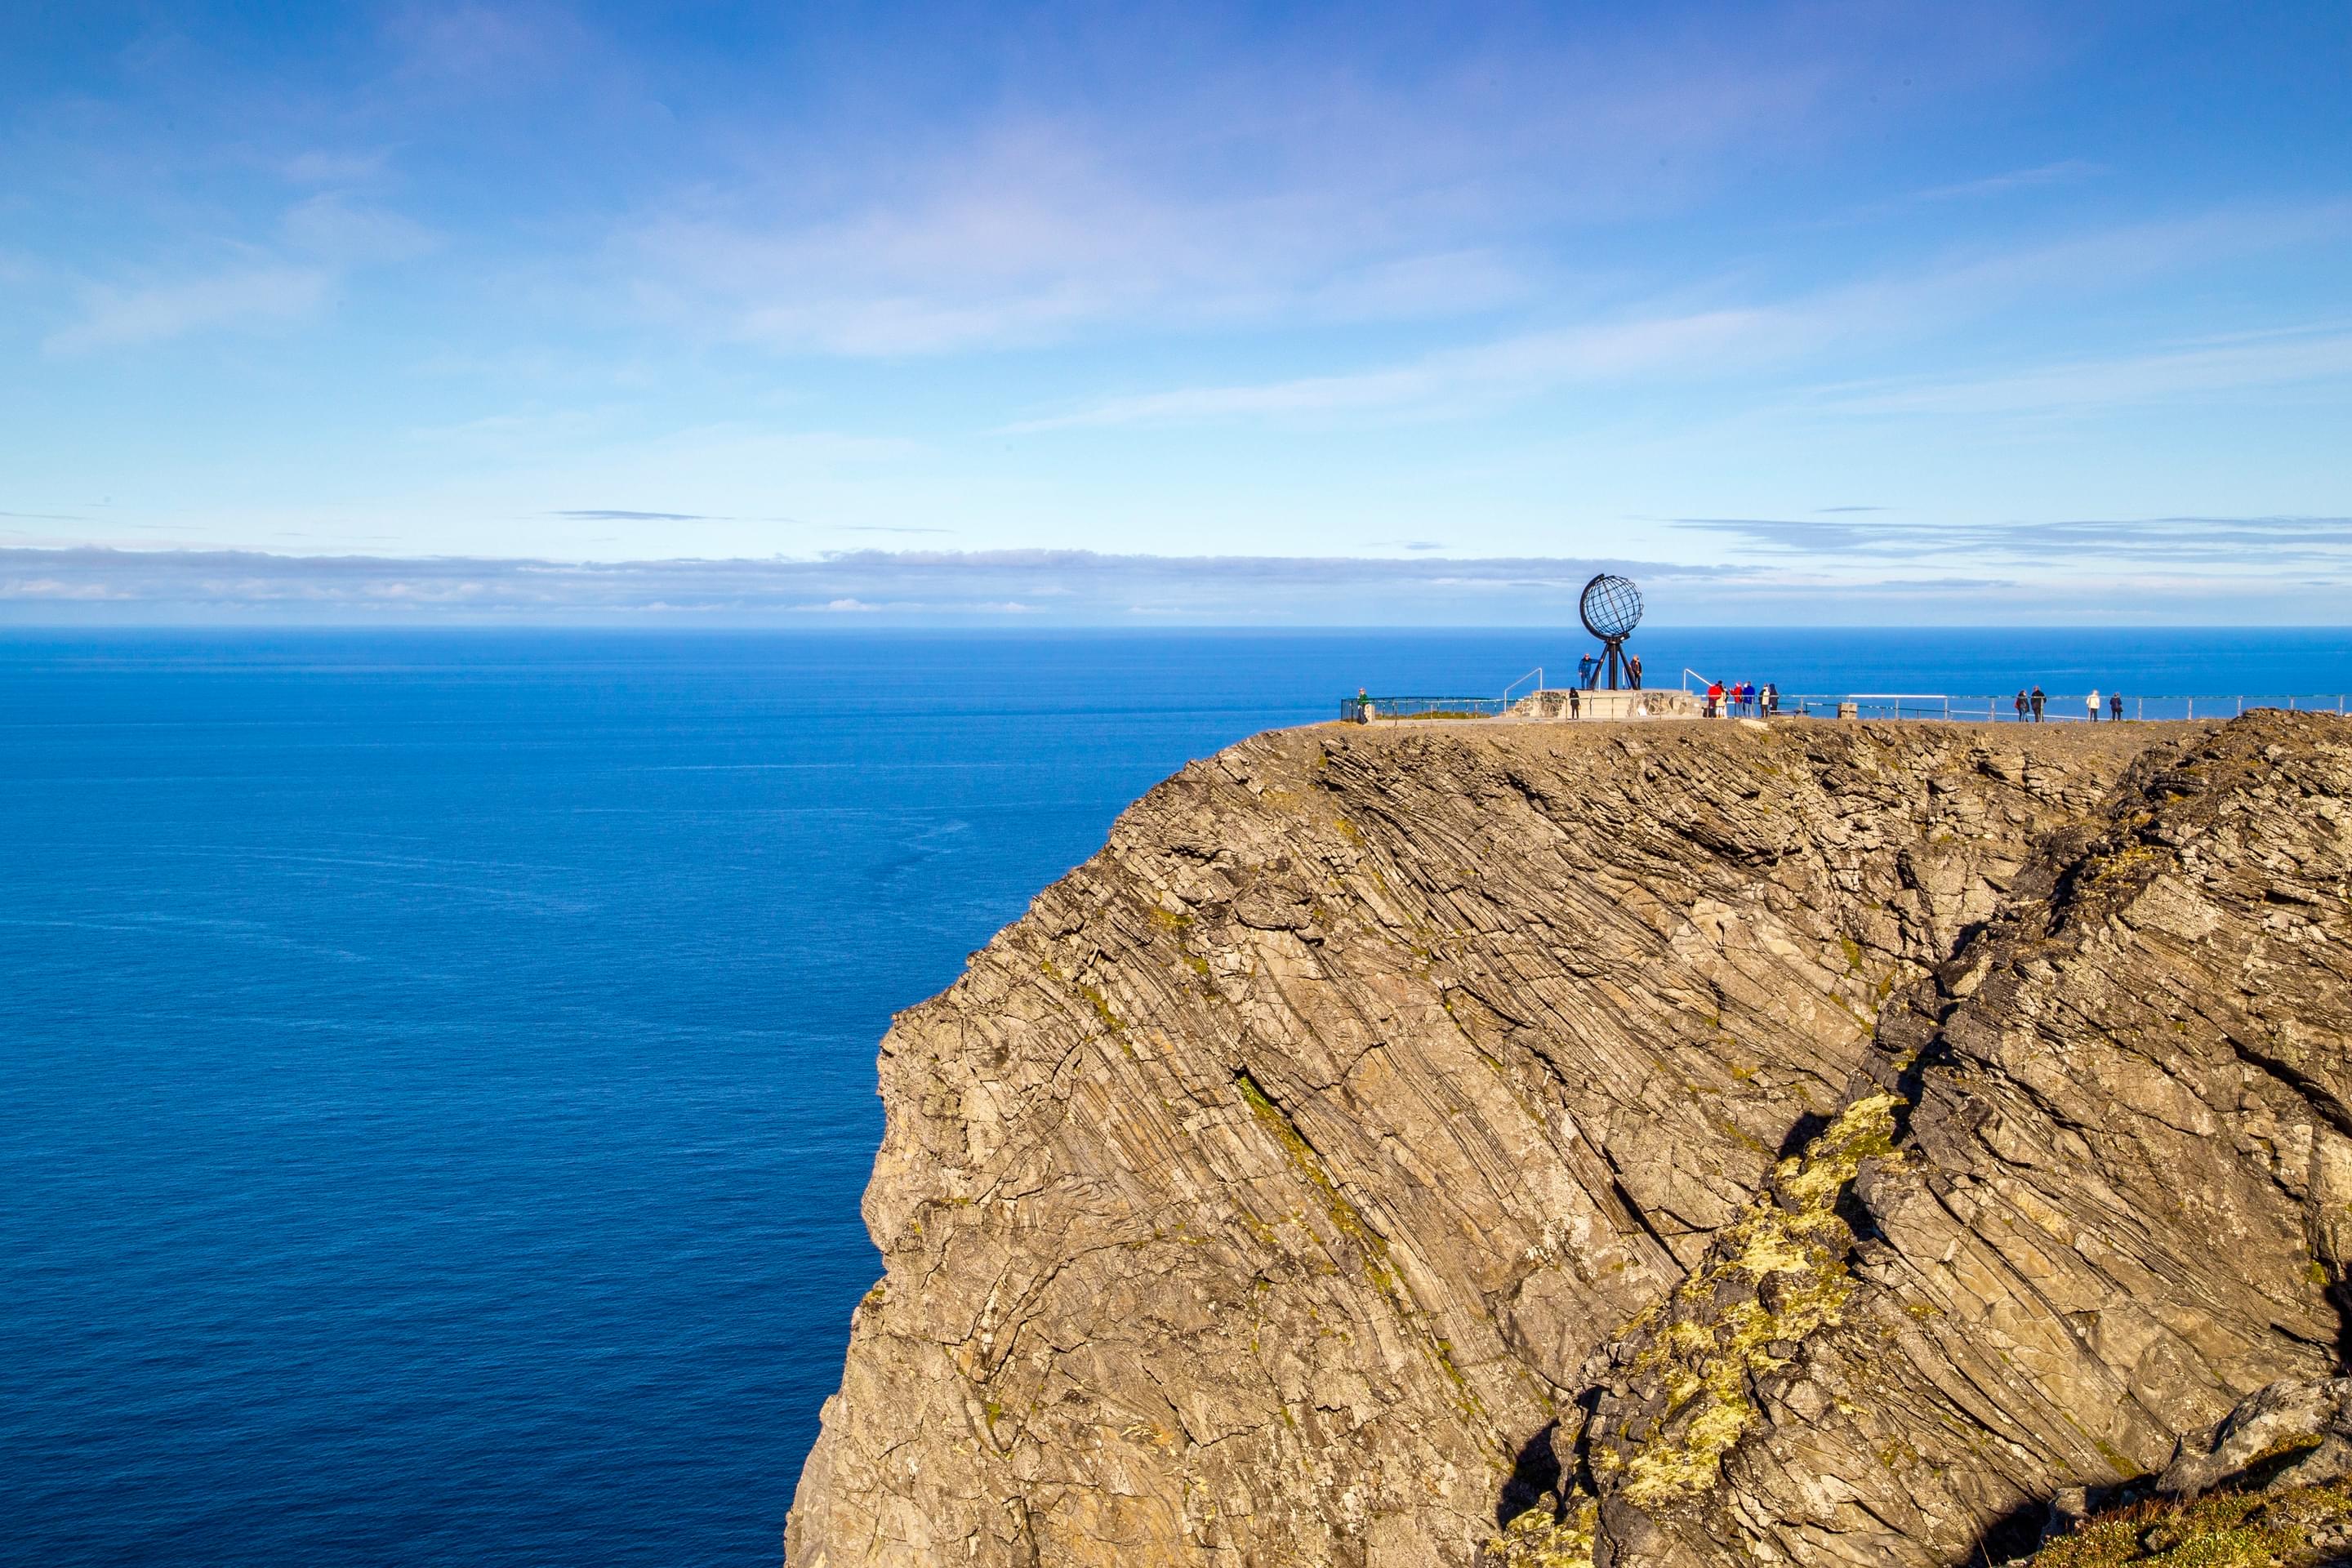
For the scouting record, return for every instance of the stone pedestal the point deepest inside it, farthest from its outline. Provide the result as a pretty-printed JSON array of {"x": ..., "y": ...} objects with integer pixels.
[{"x": 1553, "y": 705}]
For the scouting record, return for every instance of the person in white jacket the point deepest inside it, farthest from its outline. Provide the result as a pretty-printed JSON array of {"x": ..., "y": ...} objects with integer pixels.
[{"x": 2092, "y": 702}]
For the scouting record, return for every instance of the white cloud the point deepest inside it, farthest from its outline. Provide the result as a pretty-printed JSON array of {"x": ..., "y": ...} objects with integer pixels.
[
  {"x": 1295, "y": 183},
  {"x": 1510, "y": 366},
  {"x": 321, "y": 240},
  {"x": 2159, "y": 582},
  {"x": 336, "y": 230},
  {"x": 54, "y": 588},
  {"x": 2186, "y": 372},
  {"x": 255, "y": 296},
  {"x": 1715, "y": 343},
  {"x": 322, "y": 167},
  {"x": 2067, "y": 171}
]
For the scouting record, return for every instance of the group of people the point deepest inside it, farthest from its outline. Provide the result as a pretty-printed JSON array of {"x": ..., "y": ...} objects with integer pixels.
[
  {"x": 2030, "y": 706},
  {"x": 1589, "y": 667},
  {"x": 1742, "y": 699}
]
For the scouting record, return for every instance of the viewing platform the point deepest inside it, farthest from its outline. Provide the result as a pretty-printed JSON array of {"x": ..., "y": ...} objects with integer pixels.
[
  {"x": 1551, "y": 705},
  {"x": 1542, "y": 706}
]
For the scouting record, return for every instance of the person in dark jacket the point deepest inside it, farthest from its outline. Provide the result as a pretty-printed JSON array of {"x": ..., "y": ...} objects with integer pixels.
[
  {"x": 2020, "y": 705},
  {"x": 2038, "y": 700},
  {"x": 2115, "y": 706}
]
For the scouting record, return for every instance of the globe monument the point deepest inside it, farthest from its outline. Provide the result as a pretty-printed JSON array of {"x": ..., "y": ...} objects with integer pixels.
[{"x": 1610, "y": 607}]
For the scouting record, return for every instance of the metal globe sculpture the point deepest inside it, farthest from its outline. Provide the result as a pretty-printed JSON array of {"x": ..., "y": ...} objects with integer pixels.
[{"x": 1610, "y": 607}]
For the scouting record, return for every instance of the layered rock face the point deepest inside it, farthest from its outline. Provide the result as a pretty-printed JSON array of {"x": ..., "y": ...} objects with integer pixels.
[{"x": 1680, "y": 1143}]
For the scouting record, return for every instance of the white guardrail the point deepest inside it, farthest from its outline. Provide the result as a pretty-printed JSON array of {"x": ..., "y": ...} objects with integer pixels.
[{"x": 2058, "y": 707}]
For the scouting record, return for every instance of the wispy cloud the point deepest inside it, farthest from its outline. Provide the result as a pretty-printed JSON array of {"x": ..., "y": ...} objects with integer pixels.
[
  {"x": 2240, "y": 546},
  {"x": 257, "y": 296},
  {"x": 1289, "y": 182},
  {"x": 2067, "y": 171},
  {"x": 2153, "y": 569},
  {"x": 1727, "y": 341},
  {"x": 2270, "y": 359},
  {"x": 1514, "y": 366},
  {"x": 323, "y": 166},
  {"x": 613, "y": 514},
  {"x": 1079, "y": 587},
  {"x": 1028, "y": 235},
  {"x": 341, "y": 232},
  {"x": 320, "y": 242},
  {"x": 59, "y": 588}
]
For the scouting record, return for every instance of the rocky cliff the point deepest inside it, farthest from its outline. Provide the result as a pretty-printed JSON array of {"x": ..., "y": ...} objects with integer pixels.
[{"x": 1614, "y": 1142}]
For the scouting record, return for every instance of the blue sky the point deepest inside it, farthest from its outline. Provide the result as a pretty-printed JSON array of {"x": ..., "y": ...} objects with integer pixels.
[{"x": 1839, "y": 312}]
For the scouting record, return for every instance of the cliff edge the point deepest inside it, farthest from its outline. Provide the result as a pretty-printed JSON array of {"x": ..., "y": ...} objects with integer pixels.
[{"x": 1621, "y": 1143}]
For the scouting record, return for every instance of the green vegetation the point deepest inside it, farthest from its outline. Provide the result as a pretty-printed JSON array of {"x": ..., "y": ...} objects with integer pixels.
[
  {"x": 1776, "y": 1274},
  {"x": 1536, "y": 1539},
  {"x": 1790, "y": 1246},
  {"x": 2299, "y": 1527}
]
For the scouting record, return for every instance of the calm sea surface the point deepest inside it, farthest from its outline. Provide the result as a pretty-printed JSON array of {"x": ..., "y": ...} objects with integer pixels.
[{"x": 437, "y": 1070}]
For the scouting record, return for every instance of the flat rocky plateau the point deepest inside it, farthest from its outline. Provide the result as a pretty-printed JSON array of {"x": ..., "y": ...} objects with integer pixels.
[{"x": 1614, "y": 1143}]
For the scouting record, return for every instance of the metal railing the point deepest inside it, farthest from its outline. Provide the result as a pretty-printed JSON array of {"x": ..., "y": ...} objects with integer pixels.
[
  {"x": 2057, "y": 708},
  {"x": 1359, "y": 710}
]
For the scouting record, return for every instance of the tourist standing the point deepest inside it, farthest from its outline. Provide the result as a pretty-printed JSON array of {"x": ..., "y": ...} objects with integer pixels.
[
  {"x": 1575, "y": 703},
  {"x": 1633, "y": 669},
  {"x": 2038, "y": 699},
  {"x": 1714, "y": 697},
  {"x": 2092, "y": 702},
  {"x": 2020, "y": 705},
  {"x": 1586, "y": 667},
  {"x": 2115, "y": 706}
]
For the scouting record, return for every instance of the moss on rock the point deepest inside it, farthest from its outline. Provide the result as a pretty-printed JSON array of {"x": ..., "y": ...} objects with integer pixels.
[
  {"x": 1537, "y": 1539},
  {"x": 1776, "y": 1274},
  {"x": 2300, "y": 1527}
]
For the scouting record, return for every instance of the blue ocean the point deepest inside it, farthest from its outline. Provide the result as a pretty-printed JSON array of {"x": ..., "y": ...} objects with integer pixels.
[{"x": 438, "y": 1068}]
